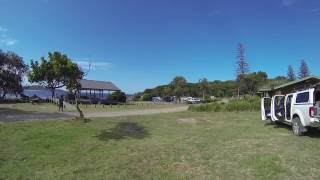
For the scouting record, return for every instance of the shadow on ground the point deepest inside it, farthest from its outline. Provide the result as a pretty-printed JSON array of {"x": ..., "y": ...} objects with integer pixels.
[
  {"x": 313, "y": 132},
  {"x": 10, "y": 111},
  {"x": 124, "y": 130},
  {"x": 14, "y": 115}
]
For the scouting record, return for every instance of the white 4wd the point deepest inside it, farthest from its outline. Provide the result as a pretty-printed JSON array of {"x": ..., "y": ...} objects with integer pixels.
[{"x": 299, "y": 109}]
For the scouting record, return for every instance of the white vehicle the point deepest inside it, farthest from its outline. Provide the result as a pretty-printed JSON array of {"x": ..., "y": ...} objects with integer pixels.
[
  {"x": 299, "y": 109},
  {"x": 192, "y": 100}
]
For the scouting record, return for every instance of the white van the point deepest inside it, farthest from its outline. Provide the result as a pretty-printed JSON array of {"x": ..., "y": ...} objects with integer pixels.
[{"x": 299, "y": 109}]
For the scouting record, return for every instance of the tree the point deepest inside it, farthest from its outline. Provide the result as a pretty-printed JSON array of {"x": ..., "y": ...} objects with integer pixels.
[
  {"x": 250, "y": 83},
  {"x": 304, "y": 69},
  {"x": 178, "y": 85},
  {"x": 242, "y": 64},
  {"x": 73, "y": 74},
  {"x": 204, "y": 87},
  {"x": 118, "y": 96},
  {"x": 291, "y": 75},
  {"x": 51, "y": 72},
  {"x": 12, "y": 70},
  {"x": 57, "y": 72}
]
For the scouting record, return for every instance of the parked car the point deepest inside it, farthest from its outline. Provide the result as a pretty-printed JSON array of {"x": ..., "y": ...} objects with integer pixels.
[
  {"x": 300, "y": 109},
  {"x": 192, "y": 100},
  {"x": 156, "y": 99}
]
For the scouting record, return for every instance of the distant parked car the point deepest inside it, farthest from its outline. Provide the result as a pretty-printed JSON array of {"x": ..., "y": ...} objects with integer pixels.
[
  {"x": 157, "y": 99},
  {"x": 192, "y": 100}
]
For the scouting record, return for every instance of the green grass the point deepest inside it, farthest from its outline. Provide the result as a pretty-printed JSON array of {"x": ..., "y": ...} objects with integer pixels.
[{"x": 185, "y": 145}]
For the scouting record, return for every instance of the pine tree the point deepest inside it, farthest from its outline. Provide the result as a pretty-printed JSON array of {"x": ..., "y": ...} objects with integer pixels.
[
  {"x": 291, "y": 76},
  {"x": 242, "y": 64},
  {"x": 304, "y": 69}
]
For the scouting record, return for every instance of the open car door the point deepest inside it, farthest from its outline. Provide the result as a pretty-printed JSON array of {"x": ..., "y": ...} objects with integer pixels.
[
  {"x": 278, "y": 108},
  {"x": 265, "y": 108}
]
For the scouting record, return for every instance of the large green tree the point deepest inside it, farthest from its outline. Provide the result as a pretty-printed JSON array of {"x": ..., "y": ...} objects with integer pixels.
[
  {"x": 12, "y": 70},
  {"x": 57, "y": 72},
  {"x": 50, "y": 73},
  {"x": 178, "y": 85},
  {"x": 250, "y": 83}
]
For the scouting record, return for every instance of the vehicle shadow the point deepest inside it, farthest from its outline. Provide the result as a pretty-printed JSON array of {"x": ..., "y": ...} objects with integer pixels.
[
  {"x": 313, "y": 132},
  {"x": 124, "y": 130}
]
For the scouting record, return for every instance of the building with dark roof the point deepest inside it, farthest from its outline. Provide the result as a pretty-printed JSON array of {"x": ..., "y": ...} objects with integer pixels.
[
  {"x": 291, "y": 87},
  {"x": 96, "y": 89}
]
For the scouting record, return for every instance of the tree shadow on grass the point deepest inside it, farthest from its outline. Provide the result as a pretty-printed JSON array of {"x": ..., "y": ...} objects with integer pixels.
[{"x": 124, "y": 130}]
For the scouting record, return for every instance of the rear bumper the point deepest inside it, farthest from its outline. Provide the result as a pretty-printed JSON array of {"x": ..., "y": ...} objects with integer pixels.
[{"x": 315, "y": 122}]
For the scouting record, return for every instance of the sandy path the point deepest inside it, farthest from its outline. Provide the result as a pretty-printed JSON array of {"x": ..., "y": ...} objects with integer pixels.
[
  {"x": 13, "y": 117},
  {"x": 134, "y": 112}
]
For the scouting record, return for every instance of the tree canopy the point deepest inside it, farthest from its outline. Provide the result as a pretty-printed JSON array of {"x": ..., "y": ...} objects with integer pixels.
[
  {"x": 56, "y": 72},
  {"x": 178, "y": 85},
  {"x": 291, "y": 76},
  {"x": 304, "y": 69},
  {"x": 12, "y": 70},
  {"x": 53, "y": 72},
  {"x": 249, "y": 84},
  {"x": 242, "y": 64}
]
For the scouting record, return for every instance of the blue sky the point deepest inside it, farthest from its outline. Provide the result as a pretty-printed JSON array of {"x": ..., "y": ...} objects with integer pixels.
[{"x": 139, "y": 44}]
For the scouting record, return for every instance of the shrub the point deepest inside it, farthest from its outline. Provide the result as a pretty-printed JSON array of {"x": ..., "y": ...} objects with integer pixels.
[
  {"x": 244, "y": 104},
  {"x": 118, "y": 96}
]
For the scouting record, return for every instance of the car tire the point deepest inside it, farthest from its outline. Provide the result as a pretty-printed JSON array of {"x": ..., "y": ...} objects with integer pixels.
[{"x": 297, "y": 128}]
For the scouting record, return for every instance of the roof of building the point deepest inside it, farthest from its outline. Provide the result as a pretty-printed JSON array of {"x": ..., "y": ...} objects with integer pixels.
[
  {"x": 306, "y": 79},
  {"x": 97, "y": 85}
]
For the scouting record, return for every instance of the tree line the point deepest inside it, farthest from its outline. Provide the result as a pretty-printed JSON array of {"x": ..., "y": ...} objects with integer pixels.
[{"x": 245, "y": 83}]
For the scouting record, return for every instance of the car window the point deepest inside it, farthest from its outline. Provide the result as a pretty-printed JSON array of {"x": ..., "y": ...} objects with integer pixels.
[{"x": 302, "y": 97}]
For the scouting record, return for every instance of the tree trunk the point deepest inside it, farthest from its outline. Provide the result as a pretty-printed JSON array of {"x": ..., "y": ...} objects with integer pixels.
[
  {"x": 81, "y": 115},
  {"x": 202, "y": 95}
]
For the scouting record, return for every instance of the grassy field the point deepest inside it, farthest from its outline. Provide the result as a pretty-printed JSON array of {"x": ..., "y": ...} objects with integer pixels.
[
  {"x": 185, "y": 145},
  {"x": 50, "y": 108}
]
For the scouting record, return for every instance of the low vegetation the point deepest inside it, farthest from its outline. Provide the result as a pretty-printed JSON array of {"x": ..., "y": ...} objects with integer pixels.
[
  {"x": 236, "y": 105},
  {"x": 187, "y": 145}
]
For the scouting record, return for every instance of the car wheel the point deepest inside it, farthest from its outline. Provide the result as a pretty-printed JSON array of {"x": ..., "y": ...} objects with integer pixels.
[{"x": 297, "y": 128}]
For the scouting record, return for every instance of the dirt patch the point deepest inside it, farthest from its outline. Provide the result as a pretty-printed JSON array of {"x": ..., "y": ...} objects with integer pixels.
[{"x": 192, "y": 120}]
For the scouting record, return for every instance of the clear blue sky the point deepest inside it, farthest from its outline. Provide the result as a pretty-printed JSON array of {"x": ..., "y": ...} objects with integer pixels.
[{"x": 139, "y": 44}]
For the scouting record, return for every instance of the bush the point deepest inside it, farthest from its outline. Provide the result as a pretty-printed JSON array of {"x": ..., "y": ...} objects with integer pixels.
[
  {"x": 148, "y": 96},
  {"x": 244, "y": 104},
  {"x": 117, "y": 96}
]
